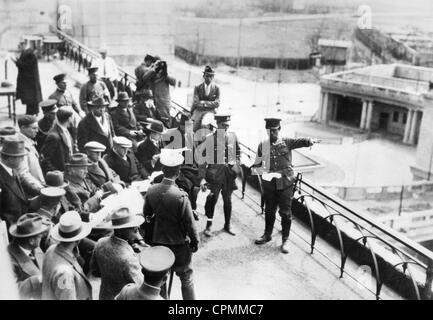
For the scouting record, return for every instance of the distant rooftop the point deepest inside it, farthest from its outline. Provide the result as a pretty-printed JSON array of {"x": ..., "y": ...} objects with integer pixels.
[{"x": 335, "y": 43}]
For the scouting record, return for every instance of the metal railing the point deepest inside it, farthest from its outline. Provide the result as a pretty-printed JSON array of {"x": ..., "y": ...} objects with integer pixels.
[{"x": 409, "y": 253}]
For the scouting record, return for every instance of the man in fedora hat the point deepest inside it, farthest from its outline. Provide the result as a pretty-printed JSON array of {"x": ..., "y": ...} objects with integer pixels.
[
  {"x": 30, "y": 171},
  {"x": 206, "y": 97},
  {"x": 148, "y": 151},
  {"x": 58, "y": 145},
  {"x": 52, "y": 202},
  {"x": 99, "y": 171},
  {"x": 113, "y": 259},
  {"x": 123, "y": 161},
  {"x": 13, "y": 201},
  {"x": 93, "y": 89},
  {"x": 62, "y": 276},
  {"x": 124, "y": 122},
  {"x": 144, "y": 107},
  {"x": 49, "y": 109},
  {"x": 219, "y": 174},
  {"x": 274, "y": 156},
  {"x": 6, "y": 131},
  {"x": 26, "y": 254},
  {"x": 96, "y": 125},
  {"x": 109, "y": 71},
  {"x": 170, "y": 209},
  {"x": 155, "y": 263},
  {"x": 82, "y": 194}
]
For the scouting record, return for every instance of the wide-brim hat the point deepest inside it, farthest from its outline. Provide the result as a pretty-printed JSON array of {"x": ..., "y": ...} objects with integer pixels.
[
  {"x": 78, "y": 160},
  {"x": 156, "y": 126},
  {"x": 28, "y": 225},
  {"x": 70, "y": 228},
  {"x": 13, "y": 147},
  {"x": 55, "y": 179},
  {"x": 222, "y": 118},
  {"x": 7, "y": 131},
  {"x": 156, "y": 258},
  {"x": 92, "y": 69},
  {"x": 53, "y": 192},
  {"x": 98, "y": 102},
  {"x": 171, "y": 157},
  {"x": 123, "y": 96},
  {"x": 122, "y": 219}
]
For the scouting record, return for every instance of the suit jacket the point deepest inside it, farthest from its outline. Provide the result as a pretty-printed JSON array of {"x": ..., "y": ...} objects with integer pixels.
[
  {"x": 145, "y": 151},
  {"x": 13, "y": 202},
  {"x": 82, "y": 196},
  {"x": 27, "y": 273},
  {"x": 90, "y": 130},
  {"x": 124, "y": 121},
  {"x": 136, "y": 292},
  {"x": 100, "y": 173},
  {"x": 62, "y": 277},
  {"x": 173, "y": 221},
  {"x": 55, "y": 151},
  {"x": 142, "y": 112},
  {"x": 128, "y": 170},
  {"x": 117, "y": 264},
  {"x": 212, "y": 100}
]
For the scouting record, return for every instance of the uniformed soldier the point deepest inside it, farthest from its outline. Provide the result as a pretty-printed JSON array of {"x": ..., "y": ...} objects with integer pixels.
[
  {"x": 219, "y": 175},
  {"x": 155, "y": 262},
  {"x": 63, "y": 96},
  {"x": 49, "y": 109},
  {"x": 93, "y": 89},
  {"x": 274, "y": 164}
]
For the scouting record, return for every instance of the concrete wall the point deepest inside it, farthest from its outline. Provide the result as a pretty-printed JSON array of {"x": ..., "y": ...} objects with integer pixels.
[
  {"x": 412, "y": 73},
  {"x": 128, "y": 28},
  {"x": 393, "y": 127},
  {"x": 20, "y": 17},
  {"x": 424, "y": 150}
]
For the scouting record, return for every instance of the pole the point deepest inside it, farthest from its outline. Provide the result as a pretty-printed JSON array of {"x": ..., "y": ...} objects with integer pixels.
[
  {"x": 239, "y": 43},
  {"x": 429, "y": 167},
  {"x": 197, "y": 47},
  {"x": 401, "y": 200}
]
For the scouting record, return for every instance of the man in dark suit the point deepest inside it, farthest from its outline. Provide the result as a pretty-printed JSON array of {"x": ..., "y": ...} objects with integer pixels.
[
  {"x": 26, "y": 255},
  {"x": 124, "y": 122},
  {"x": 58, "y": 146},
  {"x": 13, "y": 202},
  {"x": 96, "y": 125},
  {"x": 123, "y": 161},
  {"x": 148, "y": 151},
  {"x": 173, "y": 220},
  {"x": 206, "y": 98},
  {"x": 144, "y": 107}
]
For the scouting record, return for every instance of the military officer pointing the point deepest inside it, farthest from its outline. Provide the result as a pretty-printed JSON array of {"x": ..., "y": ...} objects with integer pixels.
[{"x": 274, "y": 164}]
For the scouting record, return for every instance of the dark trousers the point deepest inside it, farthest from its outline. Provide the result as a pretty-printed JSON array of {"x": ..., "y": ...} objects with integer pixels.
[
  {"x": 32, "y": 108},
  {"x": 275, "y": 198},
  {"x": 182, "y": 268},
  {"x": 110, "y": 86},
  {"x": 226, "y": 190}
]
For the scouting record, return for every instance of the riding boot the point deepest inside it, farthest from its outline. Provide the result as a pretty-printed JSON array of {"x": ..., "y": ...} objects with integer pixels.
[
  {"x": 269, "y": 226},
  {"x": 286, "y": 225},
  {"x": 207, "y": 231}
]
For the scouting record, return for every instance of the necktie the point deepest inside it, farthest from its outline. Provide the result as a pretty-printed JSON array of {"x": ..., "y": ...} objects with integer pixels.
[
  {"x": 33, "y": 258},
  {"x": 207, "y": 89}
]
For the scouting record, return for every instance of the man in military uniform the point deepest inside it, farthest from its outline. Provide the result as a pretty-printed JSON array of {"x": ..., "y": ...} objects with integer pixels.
[
  {"x": 274, "y": 163},
  {"x": 63, "y": 96},
  {"x": 170, "y": 209},
  {"x": 93, "y": 89},
  {"x": 219, "y": 174},
  {"x": 49, "y": 109}
]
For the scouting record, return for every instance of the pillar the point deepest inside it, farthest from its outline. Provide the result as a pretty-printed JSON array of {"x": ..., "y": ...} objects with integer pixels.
[
  {"x": 369, "y": 115},
  {"x": 407, "y": 127},
  {"x": 411, "y": 138},
  {"x": 319, "y": 111},
  {"x": 325, "y": 103},
  {"x": 363, "y": 114}
]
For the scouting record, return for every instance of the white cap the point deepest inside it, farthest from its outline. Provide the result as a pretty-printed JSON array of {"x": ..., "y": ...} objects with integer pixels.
[
  {"x": 95, "y": 146},
  {"x": 171, "y": 157},
  {"x": 122, "y": 141}
]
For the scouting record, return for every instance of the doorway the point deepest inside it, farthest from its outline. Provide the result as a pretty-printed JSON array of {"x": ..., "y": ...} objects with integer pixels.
[{"x": 383, "y": 121}]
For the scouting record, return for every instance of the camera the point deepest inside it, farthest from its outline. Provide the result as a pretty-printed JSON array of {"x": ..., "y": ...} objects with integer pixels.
[{"x": 161, "y": 65}]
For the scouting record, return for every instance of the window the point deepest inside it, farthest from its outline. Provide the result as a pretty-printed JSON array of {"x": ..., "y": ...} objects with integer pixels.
[
  {"x": 404, "y": 117},
  {"x": 395, "y": 116}
]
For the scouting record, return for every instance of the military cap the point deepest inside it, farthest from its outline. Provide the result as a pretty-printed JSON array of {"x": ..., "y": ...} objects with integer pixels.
[
  {"x": 95, "y": 146},
  {"x": 171, "y": 157},
  {"x": 122, "y": 141},
  {"x": 157, "y": 259},
  {"x": 222, "y": 118},
  {"x": 60, "y": 77},
  {"x": 48, "y": 104},
  {"x": 149, "y": 57},
  {"x": 273, "y": 123}
]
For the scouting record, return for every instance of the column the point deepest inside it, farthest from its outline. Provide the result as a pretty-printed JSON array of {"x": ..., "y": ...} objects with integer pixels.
[
  {"x": 407, "y": 127},
  {"x": 369, "y": 115},
  {"x": 319, "y": 111},
  {"x": 411, "y": 139},
  {"x": 325, "y": 107},
  {"x": 363, "y": 114}
]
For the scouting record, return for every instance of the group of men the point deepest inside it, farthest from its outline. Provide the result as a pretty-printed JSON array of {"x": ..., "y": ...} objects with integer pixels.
[{"x": 55, "y": 172}]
